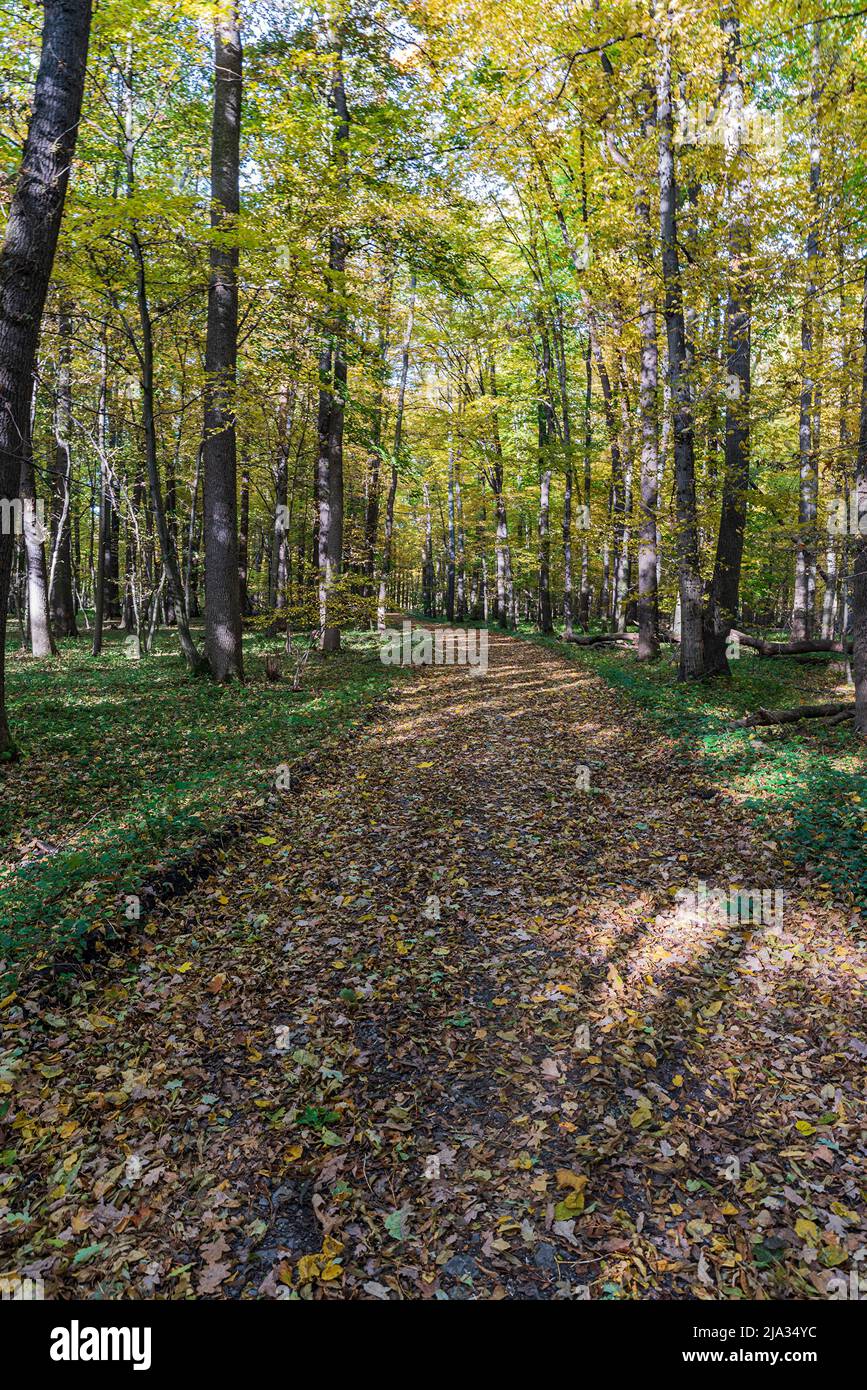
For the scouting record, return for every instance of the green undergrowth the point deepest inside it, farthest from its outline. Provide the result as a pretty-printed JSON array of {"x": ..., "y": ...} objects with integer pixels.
[
  {"x": 805, "y": 784},
  {"x": 128, "y": 766}
]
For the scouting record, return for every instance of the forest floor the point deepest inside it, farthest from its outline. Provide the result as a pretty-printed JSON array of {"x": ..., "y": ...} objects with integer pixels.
[
  {"x": 443, "y": 1023},
  {"x": 128, "y": 766}
]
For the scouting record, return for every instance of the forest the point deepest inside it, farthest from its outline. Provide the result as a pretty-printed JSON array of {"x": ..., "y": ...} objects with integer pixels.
[{"x": 433, "y": 649}]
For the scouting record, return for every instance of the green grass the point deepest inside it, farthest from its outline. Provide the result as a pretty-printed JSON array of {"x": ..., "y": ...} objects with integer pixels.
[
  {"x": 804, "y": 784},
  {"x": 128, "y": 765}
]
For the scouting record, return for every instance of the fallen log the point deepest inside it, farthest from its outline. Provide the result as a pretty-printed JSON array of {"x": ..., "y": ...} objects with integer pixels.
[
  {"x": 846, "y": 708},
  {"x": 843, "y": 718},
  {"x": 600, "y": 637},
  {"x": 817, "y": 644}
]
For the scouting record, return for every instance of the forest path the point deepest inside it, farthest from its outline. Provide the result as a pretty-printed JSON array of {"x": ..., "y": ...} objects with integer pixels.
[{"x": 437, "y": 1029}]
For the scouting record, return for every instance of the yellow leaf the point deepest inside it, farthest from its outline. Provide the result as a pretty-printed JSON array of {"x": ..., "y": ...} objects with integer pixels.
[
  {"x": 331, "y": 1271},
  {"x": 308, "y": 1268},
  {"x": 804, "y": 1127},
  {"x": 807, "y": 1230},
  {"x": 566, "y": 1178},
  {"x": 293, "y": 1152},
  {"x": 424, "y": 764},
  {"x": 187, "y": 965}
]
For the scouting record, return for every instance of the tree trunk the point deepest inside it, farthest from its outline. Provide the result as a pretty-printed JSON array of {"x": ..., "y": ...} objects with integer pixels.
[
  {"x": 805, "y": 560},
  {"x": 60, "y": 594},
  {"x": 395, "y": 462},
  {"x": 244, "y": 544},
  {"x": 724, "y": 596},
  {"x": 691, "y": 645},
  {"x": 220, "y": 483},
  {"x": 505, "y": 592},
  {"x": 27, "y": 255},
  {"x": 333, "y": 374},
  {"x": 859, "y": 581},
  {"x": 41, "y": 638},
  {"x": 545, "y": 428},
  {"x": 648, "y": 599},
  {"x": 451, "y": 545},
  {"x": 145, "y": 353},
  {"x": 102, "y": 539}
]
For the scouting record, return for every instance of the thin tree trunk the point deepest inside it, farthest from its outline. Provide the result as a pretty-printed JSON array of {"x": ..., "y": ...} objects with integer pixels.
[
  {"x": 244, "y": 543},
  {"x": 60, "y": 586},
  {"x": 223, "y": 646},
  {"x": 544, "y": 413},
  {"x": 805, "y": 559},
  {"x": 102, "y": 540},
  {"x": 41, "y": 638},
  {"x": 859, "y": 581},
  {"x": 690, "y": 585},
  {"x": 388, "y": 538},
  {"x": 724, "y": 596},
  {"x": 333, "y": 375},
  {"x": 648, "y": 599},
  {"x": 146, "y": 365},
  {"x": 451, "y": 543}
]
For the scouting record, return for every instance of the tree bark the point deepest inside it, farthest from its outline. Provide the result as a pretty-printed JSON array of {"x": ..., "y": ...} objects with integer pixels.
[
  {"x": 724, "y": 595},
  {"x": 60, "y": 594},
  {"x": 145, "y": 354},
  {"x": 244, "y": 544},
  {"x": 388, "y": 537},
  {"x": 691, "y": 645},
  {"x": 648, "y": 599},
  {"x": 223, "y": 646},
  {"x": 333, "y": 373},
  {"x": 27, "y": 255},
  {"x": 859, "y": 581},
  {"x": 41, "y": 638},
  {"x": 545, "y": 428},
  {"x": 805, "y": 559}
]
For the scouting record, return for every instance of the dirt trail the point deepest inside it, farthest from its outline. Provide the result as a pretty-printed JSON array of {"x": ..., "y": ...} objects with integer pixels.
[{"x": 438, "y": 1029}]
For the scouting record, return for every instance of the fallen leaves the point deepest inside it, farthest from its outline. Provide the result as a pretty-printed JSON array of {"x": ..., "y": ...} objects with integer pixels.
[{"x": 301, "y": 1085}]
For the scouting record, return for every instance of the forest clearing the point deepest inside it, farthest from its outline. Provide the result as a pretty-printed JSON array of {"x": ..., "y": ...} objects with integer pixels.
[{"x": 433, "y": 654}]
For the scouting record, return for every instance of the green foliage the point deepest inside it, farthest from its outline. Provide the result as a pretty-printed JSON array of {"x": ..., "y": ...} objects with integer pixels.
[
  {"x": 805, "y": 785},
  {"x": 128, "y": 765}
]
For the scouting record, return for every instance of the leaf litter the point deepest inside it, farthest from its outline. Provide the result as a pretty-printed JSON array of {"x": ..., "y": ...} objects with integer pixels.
[{"x": 439, "y": 1026}]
